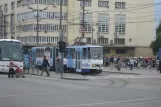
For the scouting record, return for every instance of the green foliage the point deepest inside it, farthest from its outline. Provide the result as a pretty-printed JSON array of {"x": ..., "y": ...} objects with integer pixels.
[{"x": 155, "y": 45}]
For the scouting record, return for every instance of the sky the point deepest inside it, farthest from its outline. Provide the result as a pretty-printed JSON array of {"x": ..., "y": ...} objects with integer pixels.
[{"x": 158, "y": 8}]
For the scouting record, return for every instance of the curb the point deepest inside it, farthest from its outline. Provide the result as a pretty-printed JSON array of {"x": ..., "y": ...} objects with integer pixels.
[
  {"x": 65, "y": 78},
  {"x": 115, "y": 72}
]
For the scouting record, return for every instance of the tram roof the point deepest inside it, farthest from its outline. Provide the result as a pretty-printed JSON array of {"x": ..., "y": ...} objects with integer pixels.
[
  {"x": 83, "y": 46},
  {"x": 9, "y": 40}
]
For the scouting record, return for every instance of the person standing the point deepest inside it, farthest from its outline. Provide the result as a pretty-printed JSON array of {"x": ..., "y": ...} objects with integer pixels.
[
  {"x": 160, "y": 65},
  {"x": 57, "y": 64},
  {"x": 131, "y": 63},
  {"x": 11, "y": 70},
  {"x": 45, "y": 65}
]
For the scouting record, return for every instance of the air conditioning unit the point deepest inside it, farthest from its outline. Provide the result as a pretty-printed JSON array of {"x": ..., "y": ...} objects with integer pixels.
[{"x": 54, "y": 4}]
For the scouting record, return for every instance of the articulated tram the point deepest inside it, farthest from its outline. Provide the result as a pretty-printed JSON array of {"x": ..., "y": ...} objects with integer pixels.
[{"x": 84, "y": 59}]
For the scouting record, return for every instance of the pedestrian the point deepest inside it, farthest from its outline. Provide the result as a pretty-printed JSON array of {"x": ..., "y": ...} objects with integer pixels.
[
  {"x": 131, "y": 63},
  {"x": 57, "y": 64},
  {"x": 160, "y": 65},
  {"x": 119, "y": 64},
  {"x": 45, "y": 65},
  {"x": 11, "y": 70}
]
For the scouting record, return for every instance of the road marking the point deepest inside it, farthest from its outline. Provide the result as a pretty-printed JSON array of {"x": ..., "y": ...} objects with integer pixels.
[
  {"x": 143, "y": 103},
  {"x": 23, "y": 95},
  {"x": 103, "y": 103}
]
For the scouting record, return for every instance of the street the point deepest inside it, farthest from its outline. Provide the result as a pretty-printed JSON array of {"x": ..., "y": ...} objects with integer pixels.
[{"x": 107, "y": 91}]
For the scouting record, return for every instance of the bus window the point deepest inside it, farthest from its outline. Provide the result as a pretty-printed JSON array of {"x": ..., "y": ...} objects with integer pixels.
[{"x": 84, "y": 53}]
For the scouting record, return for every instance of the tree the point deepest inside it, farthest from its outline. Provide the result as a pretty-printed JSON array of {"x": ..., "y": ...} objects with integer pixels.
[{"x": 156, "y": 44}]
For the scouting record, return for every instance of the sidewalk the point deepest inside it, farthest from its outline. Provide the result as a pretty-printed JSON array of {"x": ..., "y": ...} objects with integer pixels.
[
  {"x": 132, "y": 72},
  {"x": 67, "y": 76}
]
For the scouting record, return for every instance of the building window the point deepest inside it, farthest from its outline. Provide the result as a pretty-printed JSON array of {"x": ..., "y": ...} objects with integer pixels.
[
  {"x": 119, "y": 41},
  {"x": 120, "y": 25},
  {"x": 1, "y": 7},
  {"x": 120, "y": 5},
  {"x": 5, "y": 7},
  {"x": 48, "y": 2},
  {"x": 103, "y": 41},
  {"x": 103, "y": 3},
  {"x": 42, "y": 15},
  {"x": 86, "y": 3},
  {"x": 12, "y": 5},
  {"x": 120, "y": 51},
  {"x": 103, "y": 24},
  {"x": 87, "y": 22},
  {"x": 106, "y": 50}
]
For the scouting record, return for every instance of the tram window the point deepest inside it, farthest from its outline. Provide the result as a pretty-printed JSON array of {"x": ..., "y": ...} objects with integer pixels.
[
  {"x": 89, "y": 53},
  {"x": 37, "y": 52},
  {"x": 66, "y": 53},
  {"x": 73, "y": 53},
  {"x": 51, "y": 52},
  {"x": 84, "y": 53}
]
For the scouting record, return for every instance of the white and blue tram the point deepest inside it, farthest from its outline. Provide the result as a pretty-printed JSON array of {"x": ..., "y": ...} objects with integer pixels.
[
  {"x": 51, "y": 53},
  {"x": 84, "y": 59}
]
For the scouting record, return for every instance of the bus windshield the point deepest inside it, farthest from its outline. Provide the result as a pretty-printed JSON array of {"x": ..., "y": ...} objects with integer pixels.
[
  {"x": 9, "y": 50},
  {"x": 97, "y": 52}
]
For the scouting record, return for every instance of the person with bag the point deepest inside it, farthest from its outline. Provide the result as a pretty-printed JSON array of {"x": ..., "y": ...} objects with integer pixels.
[{"x": 45, "y": 65}]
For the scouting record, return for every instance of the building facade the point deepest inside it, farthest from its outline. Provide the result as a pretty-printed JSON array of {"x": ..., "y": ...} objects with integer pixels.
[{"x": 123, "y": 27}]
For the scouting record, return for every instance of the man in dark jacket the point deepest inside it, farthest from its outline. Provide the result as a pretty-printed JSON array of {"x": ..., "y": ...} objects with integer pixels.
[
  {"x": 45, "y": 65},
  {"x": 160, "y": 65}
]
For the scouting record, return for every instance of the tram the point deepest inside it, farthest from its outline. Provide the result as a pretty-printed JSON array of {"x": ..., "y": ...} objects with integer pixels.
[
  {"x": 85, "y": 59},
  {"x": 37, "y": 54}
]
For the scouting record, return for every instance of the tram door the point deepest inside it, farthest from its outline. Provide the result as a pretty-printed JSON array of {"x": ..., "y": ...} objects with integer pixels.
[{"x": 78, "y": 60}]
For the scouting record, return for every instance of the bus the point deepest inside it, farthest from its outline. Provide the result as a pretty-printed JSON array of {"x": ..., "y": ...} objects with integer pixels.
[
  {"x": 84, "y": 59},
  {"x": 37, "y": 54},
  {"x": 10, "y": 48}
]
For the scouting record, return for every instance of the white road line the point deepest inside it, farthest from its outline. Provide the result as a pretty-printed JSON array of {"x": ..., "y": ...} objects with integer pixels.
[
  {"x": 143, "y": 103},
  {"x": 23, "y": 95},
  {"x": 103, "y": 103}
]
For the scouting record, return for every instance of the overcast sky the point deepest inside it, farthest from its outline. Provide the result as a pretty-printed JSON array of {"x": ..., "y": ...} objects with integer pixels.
[{"x": 158, "y": 8}]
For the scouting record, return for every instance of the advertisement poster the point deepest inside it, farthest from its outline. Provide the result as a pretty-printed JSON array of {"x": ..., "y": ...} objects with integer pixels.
[
  {"x": 47, "y": 54},
  {"x": 26, "y": 61}
]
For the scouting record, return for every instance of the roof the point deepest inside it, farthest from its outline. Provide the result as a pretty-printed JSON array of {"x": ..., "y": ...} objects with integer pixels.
[
  {"x": 14, "y": 40},
  {"x": 83, "y": 46}
]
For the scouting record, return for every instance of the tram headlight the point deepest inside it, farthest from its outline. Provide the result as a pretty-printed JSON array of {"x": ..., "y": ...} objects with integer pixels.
[{"x": 93, "y": 65}]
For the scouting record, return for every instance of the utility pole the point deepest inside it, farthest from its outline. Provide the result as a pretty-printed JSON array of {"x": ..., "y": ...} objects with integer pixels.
[
  {"x": 83, "y": 25},
  {"x": 92, "y": 33},
  {"x": 61, "y": 39},
  {"x": 37, "y": 20},
  {"x": 1, "y": 24},
  {"x": 4, "y": 26}
]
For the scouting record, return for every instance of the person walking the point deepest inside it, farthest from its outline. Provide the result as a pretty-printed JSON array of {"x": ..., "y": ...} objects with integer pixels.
[
  {"x": 11, "y": 70},
  {"x": 45, "y": 65},
  {"x": 160, "y": 65}
]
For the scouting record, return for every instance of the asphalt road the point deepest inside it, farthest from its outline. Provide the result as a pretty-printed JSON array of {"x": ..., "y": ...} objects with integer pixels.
[{"x": 36, "y": 91}]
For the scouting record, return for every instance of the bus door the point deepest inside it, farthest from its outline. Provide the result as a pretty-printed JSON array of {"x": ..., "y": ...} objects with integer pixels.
[{"x": 78, "y": 60}]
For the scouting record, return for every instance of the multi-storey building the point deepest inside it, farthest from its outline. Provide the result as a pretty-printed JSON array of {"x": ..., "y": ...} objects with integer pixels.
[{"x": 123, "y": 27}]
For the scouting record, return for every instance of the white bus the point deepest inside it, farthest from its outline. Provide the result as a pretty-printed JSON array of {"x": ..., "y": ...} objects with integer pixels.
[{"x": 10, "y": 48}]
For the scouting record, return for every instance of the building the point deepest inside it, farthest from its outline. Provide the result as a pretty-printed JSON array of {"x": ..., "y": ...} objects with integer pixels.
[{"x": 123, "y": 27}]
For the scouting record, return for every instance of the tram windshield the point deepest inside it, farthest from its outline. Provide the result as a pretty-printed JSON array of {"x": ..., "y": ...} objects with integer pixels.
[{"x": 97, "y": 52}]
